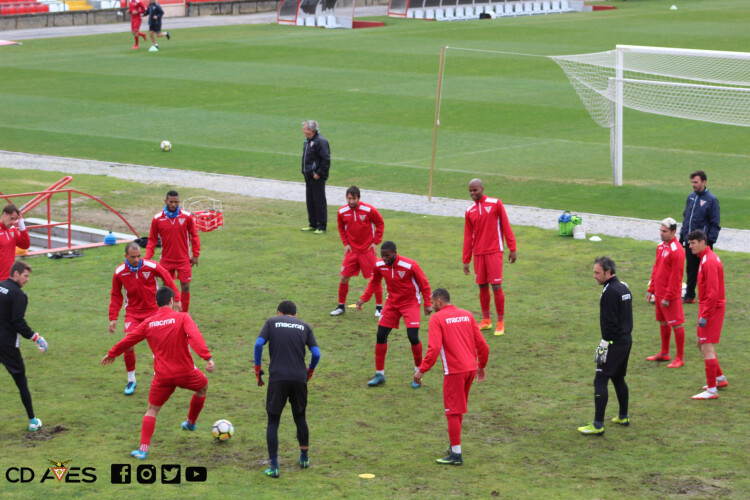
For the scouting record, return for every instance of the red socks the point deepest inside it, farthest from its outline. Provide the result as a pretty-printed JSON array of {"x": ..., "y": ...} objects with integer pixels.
[
  {"x": 454, "y": 428},
  {"x": 196, "y": 405},
  {"x": 379, "y": 295},
  {"x": 185, "y": 301},
  {"x": 380, "y": 350},
  {"x": 679, "y": 340},
  {"x": 499, "y": 302},
  {"x": 719, "y": 373},
  {"x": 484, "y": 301},
  {"x": 416, "y": 351},
  {"x": 665, "y": 331},
  {"x": 712, "y": 368},
  {"x": 343, "y": 292},
  {"x": 147, "y": 430},
  {"x": 129, "y": 357}
]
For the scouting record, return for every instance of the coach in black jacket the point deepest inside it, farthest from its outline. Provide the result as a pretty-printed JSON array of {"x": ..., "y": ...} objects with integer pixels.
[
  {"x": 701, "y": 212},
  {"x": 616, "y": 322},
  {"x": 316, "y": 160},
  {"x": 12, "y": 325}
]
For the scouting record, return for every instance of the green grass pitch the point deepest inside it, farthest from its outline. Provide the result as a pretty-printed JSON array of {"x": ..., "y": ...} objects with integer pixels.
[{"x": 231, "y": 100}]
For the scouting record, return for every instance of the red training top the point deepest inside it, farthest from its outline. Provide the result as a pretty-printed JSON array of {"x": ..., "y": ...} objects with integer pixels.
[
  {"x": 178, "y": 237},
  {"x": 485, "y": 226},
  {"x": 360, "y": 227},
  {"x": 140, "y": 289},
  {"x": 666, "y": 276},
  {"x": 710, "y": 284},
  {"x": 455, "y": 337},
  {"x": 404, "y": 281},
  {"x": 169, "y": 333},
  {"x": 136, "y": 8},
  {"x": 10, "y": 238}
]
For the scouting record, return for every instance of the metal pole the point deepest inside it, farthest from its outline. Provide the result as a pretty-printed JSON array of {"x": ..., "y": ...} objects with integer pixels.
[{"x": 437, "y": 119}]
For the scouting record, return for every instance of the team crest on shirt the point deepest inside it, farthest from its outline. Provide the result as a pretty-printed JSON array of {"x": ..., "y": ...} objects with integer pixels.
[
  {"x": 401, "y": 273},
  {"x": 147, "y": 274},
  {"x": 362, "y": 217},
  {"x": 182, "y": 221},
  {"x": 487, "y": 209},
  {"x": 703, "y": 202}
]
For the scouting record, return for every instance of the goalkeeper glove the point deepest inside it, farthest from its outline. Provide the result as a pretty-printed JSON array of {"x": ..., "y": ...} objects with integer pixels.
[
  {"x": 21, "y": 225},
  {"x": 702, "y": 322},
  {"x": 601, "y": 353},
  {"x": 40, "y": 342},
  {"x": 310, "y": 373},
  {"x": 259, "y": 375}
]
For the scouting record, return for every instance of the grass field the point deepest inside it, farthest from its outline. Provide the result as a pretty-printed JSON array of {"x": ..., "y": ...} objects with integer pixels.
[
  {"x": 519, "y": 436},
  {"x": 231, "y": 100}
]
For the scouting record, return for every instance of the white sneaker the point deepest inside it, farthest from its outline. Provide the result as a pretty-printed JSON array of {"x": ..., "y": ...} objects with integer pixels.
[
  {"x": 35, "y": 426},
  {"x": 338, "y": 311},
  {"x": 706, "y": 395},
  {"x": 378, "y": 312}
]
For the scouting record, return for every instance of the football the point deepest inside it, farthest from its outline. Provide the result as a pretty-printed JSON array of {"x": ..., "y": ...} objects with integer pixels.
[
  {"x": 166, "y": 146},
  {"x": 222, "y": 430}
]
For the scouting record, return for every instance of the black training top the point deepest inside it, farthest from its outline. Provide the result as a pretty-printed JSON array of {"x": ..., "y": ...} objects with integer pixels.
[
  {"x": 12, "y": 311},
  {"x": 616, "y": 312},
  {"x": 287, "y": 338}
]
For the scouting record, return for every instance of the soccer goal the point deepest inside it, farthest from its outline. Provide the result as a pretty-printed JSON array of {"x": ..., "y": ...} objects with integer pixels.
[{"x": 704, "y": 85}]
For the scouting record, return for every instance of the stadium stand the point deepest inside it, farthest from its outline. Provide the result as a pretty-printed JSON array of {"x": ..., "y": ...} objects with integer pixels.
[{"x": 461, "y": 10}]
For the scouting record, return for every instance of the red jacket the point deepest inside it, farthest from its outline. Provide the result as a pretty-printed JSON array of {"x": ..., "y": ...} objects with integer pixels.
[
  {"x": 666, "y": 276},
  {"x": 485, "y": 226},
  {"x": 360, "y": 227},
  {"x": 455, "y": 337},
  {"x": 10, "y": 238},
  {"x": 140, "y": 289},
  {"x": 710, "y": 284},
  {"x": 169, "y": 333},
  {"x": 178, "y": 237},
  {"x": 404, "y": 281}
]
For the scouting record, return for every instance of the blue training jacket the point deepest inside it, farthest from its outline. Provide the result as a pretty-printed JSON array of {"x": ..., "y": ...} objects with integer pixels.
[{"x": 701, "y": 212}]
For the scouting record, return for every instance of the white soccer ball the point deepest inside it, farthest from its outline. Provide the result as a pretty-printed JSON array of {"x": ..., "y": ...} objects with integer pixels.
[
  {"x": 222, "y": 430},
  {"x": 165, "y": 146}
]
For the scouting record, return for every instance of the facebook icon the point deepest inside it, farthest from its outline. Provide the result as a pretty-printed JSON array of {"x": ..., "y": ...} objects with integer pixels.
[{"x": 120, "y": 474}]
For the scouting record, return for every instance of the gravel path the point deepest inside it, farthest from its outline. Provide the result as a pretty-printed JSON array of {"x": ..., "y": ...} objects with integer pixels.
[{"x": 734, "y": 240}]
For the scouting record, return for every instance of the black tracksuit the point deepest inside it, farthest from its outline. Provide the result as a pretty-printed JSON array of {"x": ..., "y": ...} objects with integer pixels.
[{"x": 316, "y": 159}]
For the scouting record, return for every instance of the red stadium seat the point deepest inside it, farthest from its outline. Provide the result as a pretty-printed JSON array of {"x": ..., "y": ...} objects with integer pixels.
[
  {"x": 43, "y": 7},
  {"x": 3, "y": 11},
  {"x": 12, "y": 10},
  {"x": 23, "y": 9},
  {"x": 35, "y": 8}
]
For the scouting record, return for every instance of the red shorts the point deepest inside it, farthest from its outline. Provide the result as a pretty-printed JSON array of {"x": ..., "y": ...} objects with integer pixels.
[
  {"x": 672, "y": 315},
  {"x": 131, "y": 323},
  {"x": 456, "y": 389},
  {"x": 135, "y": 22},
  {"x": 182, "y": 272},
  {"x": 162, "y": 388},
  {"x": 354, "y": 262},
  {"x": 489, "y": 268},
  {"x": 711, "y": 333},
  {"x": 391, "y": 314}
]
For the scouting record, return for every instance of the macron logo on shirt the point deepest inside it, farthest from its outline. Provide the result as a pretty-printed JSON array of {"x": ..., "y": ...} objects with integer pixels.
[
  {"x": 279, "y": 324},
  {"x": 154, "y": 324},
  {"x": 462, "y": 319}
]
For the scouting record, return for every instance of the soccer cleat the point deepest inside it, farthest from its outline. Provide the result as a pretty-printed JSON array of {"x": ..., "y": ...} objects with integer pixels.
[
  {"x": 415, "y": 385},
  {"x": 485, "y": 324},
  {"x": 187, "y": 427},
  {"x": 130, "y": 388},
  {"x": 706, "y": 395},
  {"x": 154, "y": 48},
  {"x": 378, "y": 379},
  {"x": 621, "y": 421},
  {"x": 659, "y": 357},
  {"x": 304, "y": 463},
  {"x": 686, "y": 300},
  {"x": 139, "y": 454},
  {"x": 590, "y": 430},
  {"x": 308, "y": 228},
  {"x": 720, "y": 384},
  {"x": 35, "y": 424},
  {"x": 135, "y": 47},
  {"x": 319, "y": 231},
  {"x": 271, "y": 472},
  {"x": 378, "y": 311},
  {"x": 166, "y": 33},
  {"x": 500, "y": 330},
  {"x": 676, "y": 363},
  {"x": 338, "y": 311},
  {"x": 451, "y": 459}
]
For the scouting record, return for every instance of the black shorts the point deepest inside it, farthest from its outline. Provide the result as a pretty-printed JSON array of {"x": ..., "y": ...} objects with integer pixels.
[
  {"x": 154, "y": 27},
  {"x": 13, "y": 361},
  {"x": 279, "y": 392},
  {"x": 617, "y": 360}
]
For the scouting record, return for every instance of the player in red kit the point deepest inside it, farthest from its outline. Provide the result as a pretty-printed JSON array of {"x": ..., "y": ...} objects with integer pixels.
[
  {"x": 170, "y": 335},
  {"x": 405, "y": 282},
  {"x": 711, "y": 306},
  {"x": 486, "y": 225},
  {"x": 179, "y": 237},
  {"x": 136, "y": 8},
  {"x": 13, "y": 234},
  {"x": 138, "y": 277},
  {"x": 455, "y": 338},
  {"x": 361, "y": 229},
  {"x": 666, "y": 288}
]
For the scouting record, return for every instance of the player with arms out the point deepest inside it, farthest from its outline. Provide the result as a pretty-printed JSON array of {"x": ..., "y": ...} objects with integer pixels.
[
  {"x": 405, "y": 281},
  {"x": 13, "y": 234},
  {"x": 486, "y": 225},
  {"x": 170, "y": 335},
  {"x": 136, "y": 8},
  {"x": 179, "y": 239},
  {"x": 455, "y": 338},
  {"x": 666, "y": 288},
  {"x": 138, "y": 277},
  {"x": 361, "y": 229}
]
